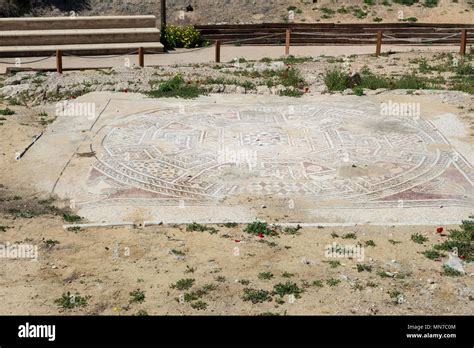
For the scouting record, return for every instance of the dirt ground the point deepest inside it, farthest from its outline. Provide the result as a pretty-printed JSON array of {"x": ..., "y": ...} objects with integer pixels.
[
  {"x": 136, "y": 271},
  {"x": 324, "y": 11},
  {"x": 108, "y": 264}
]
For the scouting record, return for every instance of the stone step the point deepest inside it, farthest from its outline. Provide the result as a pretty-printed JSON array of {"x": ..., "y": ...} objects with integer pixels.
[
  {"x": 98, "y": 22},
  {"x": 77, "y": 36},
  {"x": 84, "y": 49}
]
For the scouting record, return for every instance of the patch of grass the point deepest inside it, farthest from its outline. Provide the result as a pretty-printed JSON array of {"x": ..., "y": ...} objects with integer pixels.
[
  {"x": 287, "y": 92},
  {"x": 396, "y": 295},
  {"x": 333, "y": 263},
  {"x": 230, "y": 224},
  {"x": 418, "y": 238},
  {"x": 357, "y": 286},
  {"x": 176, "y": 87},
  {"x": 363, "y": 267},
  {"x": 200, "y": 228},
  {"x": 292, "y": 230},
  {"x": 189, "y": 269},
  {"x": 287, "y": 275},
  {"x": 177, "y": 252},
  {"x": 336, "y": 80},
  {"x": 295, "y": 9},
  {"x": 244, "y": 282},
  {"x": 7, "y": 112},
  {"x": 141, "y": 313},
  {"x": 394, "y": 242},
  {"x": 50, "y": 243},
  {"x": 269, "y": 314},
  {"x": 137, "y": 296},
  {"x": 289, "y": 60},
  {"x": 349, "y": 236},
  {"x": 70, "y": 301},
  {"x": 220, "y": 279},
  {"x": 199, "y": 305},
  {"x": 461, "y": 239},
  {"x": 318, "y": 283},
  {"x": 256, "y": 296},
  {"x": 3, "y": 228},
  {"x": 265, "y": 275},
  {"x": 183, "y": 284},
  {"x": 430, "y": 3},
  {"x": 358, "y": 91},
  {"x": 433, "y": 254},
  {"x": 451, "y": 272},
  {"x": 371, "y": 284},
  {"x": 370, "y": 242},
  {"x": 384, "y": 274},
  {"x": 71, "y": 217},
  {"x": 74, "y": 229},
  {"x": 287, "y": 288},
  {"x": 333, "y": 282},
  {"x": 257, "y": 227},
  {"x": 14, "y": 102},
  {"x": 27, "y": 213}
]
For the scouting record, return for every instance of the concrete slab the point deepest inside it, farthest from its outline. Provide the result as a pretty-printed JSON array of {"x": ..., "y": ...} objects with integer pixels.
[{"x": 317, "y": 159}]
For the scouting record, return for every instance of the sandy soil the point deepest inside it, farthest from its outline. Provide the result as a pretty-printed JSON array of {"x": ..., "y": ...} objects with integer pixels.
[
  {"x": 221, "y": 11},
  {"x": 107, "y": 264}
]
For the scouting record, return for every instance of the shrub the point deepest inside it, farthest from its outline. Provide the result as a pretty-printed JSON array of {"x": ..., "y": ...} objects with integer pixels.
[
  {"x": 69, "y": 301},
  {"x": 287, "y": 288},
  {"x": 336, "y": 80},
  {"x": 418, "y": 238},
  {"x": 7, "y": 112},
  {"x": 183, "y": 36},
  {"x": 137, "y": 296},
  {"x": 256, "y": 296},
  {"x": 175, "y": 87},
  {"x": 258, "y": 227},
  {"x": 460, "y": 239}
]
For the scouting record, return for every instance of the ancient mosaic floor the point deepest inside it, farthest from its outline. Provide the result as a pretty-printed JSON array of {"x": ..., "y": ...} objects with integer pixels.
[{"x": 312, "y": 161}]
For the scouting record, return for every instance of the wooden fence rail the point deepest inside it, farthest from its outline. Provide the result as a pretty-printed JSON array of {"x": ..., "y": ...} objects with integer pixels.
[{"x": 377, "y": 38}]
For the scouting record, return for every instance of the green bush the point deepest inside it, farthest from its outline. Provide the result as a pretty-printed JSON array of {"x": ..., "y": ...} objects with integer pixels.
[
  {"x": 336, "y": 80},
  {"x": 175, "y": 87},
  {"x": 186, "y": 36}
]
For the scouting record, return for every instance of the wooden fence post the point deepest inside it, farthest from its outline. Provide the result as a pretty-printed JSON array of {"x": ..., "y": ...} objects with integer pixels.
[
  {"x": 218, "y": 51},
  {"x": 59, "y": 61},
  {"x": 287, "y": 41},
  {"x": 141, "y": 57},
  {"x": 378, "y": 50},
  {"x": 462, "y": 51}
]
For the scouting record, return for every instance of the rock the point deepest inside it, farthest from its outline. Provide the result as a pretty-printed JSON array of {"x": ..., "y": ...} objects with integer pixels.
[
  {"x": 263, "y": 90},
  {"x": 455, "y": 263},
  {"x": 230, "y": 88},
  {"x": 319, "y": 89},
  {"x": 121, "y": 86},
  {"x": 240, "y": 90}
]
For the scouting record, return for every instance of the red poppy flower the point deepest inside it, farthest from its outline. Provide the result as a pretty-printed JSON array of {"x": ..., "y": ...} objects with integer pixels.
[
  {"x": 440, "y": 230},
  {"x": 72, "y": 97},
  {"x": 125, "y": 90},
  {"x": 306, "y": 89},
  {"x": 462, "y": 257},
  {"x": 260, "y": 235},
  {"x": 236, "y": 240}
]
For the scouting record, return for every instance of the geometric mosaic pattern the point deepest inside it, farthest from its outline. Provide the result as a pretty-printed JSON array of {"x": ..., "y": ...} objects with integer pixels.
[{"x": 334, "y": 156}]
